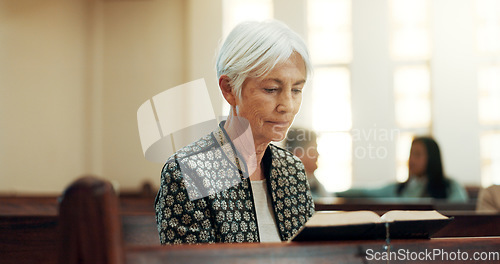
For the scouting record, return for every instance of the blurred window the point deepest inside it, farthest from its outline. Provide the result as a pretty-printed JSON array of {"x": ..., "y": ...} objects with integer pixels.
[
  {"x": 488, "y": 78},
  {"x": 330, "y": 44},
  {"x": 411, "y": 53}
]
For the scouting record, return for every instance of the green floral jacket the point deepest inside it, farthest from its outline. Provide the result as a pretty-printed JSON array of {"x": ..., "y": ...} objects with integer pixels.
[{"x": 206, "y": 198}]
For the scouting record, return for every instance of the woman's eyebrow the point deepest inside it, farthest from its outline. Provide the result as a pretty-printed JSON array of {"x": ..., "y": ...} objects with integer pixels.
[{"x": 299, "y": 82}]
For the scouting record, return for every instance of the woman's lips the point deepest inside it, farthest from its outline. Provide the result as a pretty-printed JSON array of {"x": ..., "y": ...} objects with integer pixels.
[{"x": 279, "y": 123}]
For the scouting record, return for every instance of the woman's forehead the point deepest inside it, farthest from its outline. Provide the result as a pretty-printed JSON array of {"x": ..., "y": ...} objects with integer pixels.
[{"x": 291, "y": 68}]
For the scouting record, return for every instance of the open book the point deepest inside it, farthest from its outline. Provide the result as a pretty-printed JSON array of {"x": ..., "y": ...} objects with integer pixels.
[{"x": 343, "y": 225}]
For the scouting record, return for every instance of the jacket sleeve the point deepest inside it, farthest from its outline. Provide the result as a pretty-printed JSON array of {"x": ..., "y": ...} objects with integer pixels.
[
  {"x": 457, "y": 192},
  {"x": 178, "y": 219}
]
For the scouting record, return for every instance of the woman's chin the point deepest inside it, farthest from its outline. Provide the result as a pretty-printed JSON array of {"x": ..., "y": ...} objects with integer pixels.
[{"x": 277, "y": 136}]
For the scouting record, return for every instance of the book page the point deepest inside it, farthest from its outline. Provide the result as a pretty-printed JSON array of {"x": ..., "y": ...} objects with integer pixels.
[
  {"x": 338, "y": 218},
  {"x": 411, "y": 215}
]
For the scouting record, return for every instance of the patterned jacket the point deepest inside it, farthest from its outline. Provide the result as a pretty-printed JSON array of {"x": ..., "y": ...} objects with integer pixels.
[{"x": 226, "y": 213}]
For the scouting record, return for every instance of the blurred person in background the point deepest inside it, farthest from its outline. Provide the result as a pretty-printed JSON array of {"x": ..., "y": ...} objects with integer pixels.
[
  {"x": 488, "y": 200},
  {"x": 302, "y": 143},
  {"x": 426, "y": 177}
]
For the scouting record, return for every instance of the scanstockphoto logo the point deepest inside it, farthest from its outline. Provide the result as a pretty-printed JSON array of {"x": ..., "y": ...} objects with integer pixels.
[
  {"x": 372, "y": 143},
  {"x": 302, "y": 142},
  {"x": 430, "y": 255},
  {"x": 181, "y": 115}
]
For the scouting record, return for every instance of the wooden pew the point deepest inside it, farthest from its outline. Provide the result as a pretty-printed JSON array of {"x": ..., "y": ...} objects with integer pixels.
[
  {"x": 347, "y": 251},
  {"x": 470, "y": 224},
  {"x": 35, "y": 239},
  {"x": 49, "y": 205},
  {"x": 29, "y": 227},
  {"x": 139, "y": 239},
  {"x": 466, "y": 223},
  {"x": 139, "y": 231},
  {"x": 90, "y": 224},
  {"x": 381, "y": 205},
  {"x": 378, "y": 205},
  {"x": 447, "y": 206},
  {"x": 28, "y": 239},
  {"x": 326, "y": 252},
  {"x": 28, "y": 205}
]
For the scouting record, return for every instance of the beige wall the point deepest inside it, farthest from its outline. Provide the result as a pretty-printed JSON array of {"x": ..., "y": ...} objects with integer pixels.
[
  {"x": 42, "y": 94},
  {"x": 73, "y": 74},
  {"x": 143, "y": 51},
  {"x": 150, "y": 46}
]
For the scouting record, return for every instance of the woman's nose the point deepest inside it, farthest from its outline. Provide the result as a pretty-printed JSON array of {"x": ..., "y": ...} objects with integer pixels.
[{"x": 285, "y": 102}]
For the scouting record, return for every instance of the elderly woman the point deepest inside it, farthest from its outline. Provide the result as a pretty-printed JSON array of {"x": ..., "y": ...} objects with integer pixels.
[{"x": 233, "y": 185}]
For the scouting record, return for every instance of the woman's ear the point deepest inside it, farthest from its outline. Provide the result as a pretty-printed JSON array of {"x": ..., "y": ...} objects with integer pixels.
[{"x": 226, "y": 89}]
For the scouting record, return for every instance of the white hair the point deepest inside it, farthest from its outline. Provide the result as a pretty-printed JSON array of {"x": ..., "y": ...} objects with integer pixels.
[{"x": 256, "y": 48}]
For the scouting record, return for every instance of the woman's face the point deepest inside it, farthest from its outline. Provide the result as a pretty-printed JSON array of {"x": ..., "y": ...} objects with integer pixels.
[
  {"x": 417, "y": 164},
  {"x": 271, "y": 102}
]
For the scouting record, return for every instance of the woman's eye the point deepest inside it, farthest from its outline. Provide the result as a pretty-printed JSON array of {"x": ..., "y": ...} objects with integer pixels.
[{"x": 270, "y": 90}]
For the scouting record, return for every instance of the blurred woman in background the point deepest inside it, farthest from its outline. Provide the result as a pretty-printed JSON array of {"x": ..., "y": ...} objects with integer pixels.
[{"x": 426, "y": 177}]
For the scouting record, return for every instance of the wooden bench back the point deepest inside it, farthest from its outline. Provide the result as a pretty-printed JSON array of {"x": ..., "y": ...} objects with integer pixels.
[
  {"x": 90, "y": 223},
  {"x": 93, "y": 227}
]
